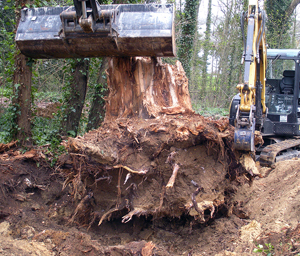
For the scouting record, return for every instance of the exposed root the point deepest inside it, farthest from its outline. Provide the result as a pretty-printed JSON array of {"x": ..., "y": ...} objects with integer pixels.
[
  {"x": 5, "y": 147},
  {"x": 128, "y": 176},
  {"x": 170, "y": 159},
  {"x": 173, "y": 177},
  {"x": 79, "y": 188},
  {"x": 84, "y": 208},
  {"x": 138, "y": 211},
  {"x": 106, "y": 214},
  {"x": 108, "y": 178},
  {"x": 161, "y": 198},
  {"x": 119, "y": 187},
  {"x": 125, "y": 204},
  {"x": 175, "y": 167},
  {"x": 205, "y": 205},
  {"x": 148, "y": 249},
  {"x": 195, "y": 204},
  {"x": 202, "y": 206},
  {"x": 141, "y": 172},
  {"x": 249, "y": 164},
  {"x": 67, "y": 181},
  {"x": 94, "y": 215}
]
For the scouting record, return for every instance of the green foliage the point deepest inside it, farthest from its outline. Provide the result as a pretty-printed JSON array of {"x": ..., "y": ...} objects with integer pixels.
[
  {"x": 68, "y": 70},
  {"x": 211, "y": 111},
  {"x": 74, "y": 96},
  {"x": 171, "y": 61},
  {"x": 7, "y": 124},
  {"x": 48, "y": 82},
  {"x": 8, "y": 114},
  {"x": 278, "y": 23},
  {"x": 267, "y": 251},
  {"x": 46, "y": 131},
  {"x": 7, "y": 23},
  {"x": 94, "y": 86},
  {"x": 42, "y": 3},
  {"x": 48, "y": 79},
  {"x": 97, "y": 90},
  {"x": 185, "y": 42}
]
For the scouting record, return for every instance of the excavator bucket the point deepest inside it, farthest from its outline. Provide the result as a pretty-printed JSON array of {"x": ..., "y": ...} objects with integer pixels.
[{"x": 111, "y": 30}]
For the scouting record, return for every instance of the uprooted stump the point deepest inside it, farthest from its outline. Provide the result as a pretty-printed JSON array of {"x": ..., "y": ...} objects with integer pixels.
[
  {"x": 164, "y": 167},
  {"x": 152, "y": 156}
]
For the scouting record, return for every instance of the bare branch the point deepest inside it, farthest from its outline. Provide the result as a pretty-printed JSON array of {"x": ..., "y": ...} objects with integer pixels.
[{"x": 292, "y": 7}]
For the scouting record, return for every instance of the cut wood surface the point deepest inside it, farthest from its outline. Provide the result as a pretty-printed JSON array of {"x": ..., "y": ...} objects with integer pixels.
[{"x": 145, "y": 87}]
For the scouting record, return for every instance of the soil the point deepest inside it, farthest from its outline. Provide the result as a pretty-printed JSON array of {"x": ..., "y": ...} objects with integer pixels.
[{"x": 170, "y": 185}]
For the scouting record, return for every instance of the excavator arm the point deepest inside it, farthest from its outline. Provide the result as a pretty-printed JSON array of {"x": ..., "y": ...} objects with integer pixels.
[
  {"x": 89, "y": 29},
  {"x": 252, "y": 108}
]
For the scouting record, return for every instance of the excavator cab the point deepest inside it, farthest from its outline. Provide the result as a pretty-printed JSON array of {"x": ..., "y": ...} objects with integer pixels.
[
  {"x": 282, "y": 94},
  {"x": 89, "y": 29}
]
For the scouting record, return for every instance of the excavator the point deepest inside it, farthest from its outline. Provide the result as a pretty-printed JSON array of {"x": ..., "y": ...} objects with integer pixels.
[
  {"x": 268, "y": 100},
  {"x": 88, "y": 29}
]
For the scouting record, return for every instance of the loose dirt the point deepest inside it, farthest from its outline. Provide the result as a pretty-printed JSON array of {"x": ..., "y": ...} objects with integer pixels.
[{"x": 171, "y": 185}]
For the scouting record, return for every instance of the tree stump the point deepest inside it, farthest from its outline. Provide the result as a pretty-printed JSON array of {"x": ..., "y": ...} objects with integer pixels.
[{"x": 144, "y": 87}]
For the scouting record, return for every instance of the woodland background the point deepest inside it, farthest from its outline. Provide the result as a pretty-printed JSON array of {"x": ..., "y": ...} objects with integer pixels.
[{"x": 209, "y": 45}]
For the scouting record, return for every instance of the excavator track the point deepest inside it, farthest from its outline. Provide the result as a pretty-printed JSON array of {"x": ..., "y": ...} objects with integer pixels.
[{"x": 268, "y": 156}]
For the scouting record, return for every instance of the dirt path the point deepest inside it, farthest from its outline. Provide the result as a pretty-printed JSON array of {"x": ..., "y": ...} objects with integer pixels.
[{"x": 142, "y": 181}]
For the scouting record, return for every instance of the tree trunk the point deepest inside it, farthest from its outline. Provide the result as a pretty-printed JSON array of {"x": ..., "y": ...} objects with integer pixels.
[
  {"x": 97, "y": 111},
  {"x": 22, "y": 91},
  {"x": 22, "y": 99},
  {"x": 146, "y": 88},
  {"x": 292, "y": 7},
  {"x": 75, "y": 102},
  {"x": 206, "y": 49}
]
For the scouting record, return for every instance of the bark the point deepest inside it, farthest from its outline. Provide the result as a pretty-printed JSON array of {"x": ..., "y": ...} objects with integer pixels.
[
  {"x": 22, "y": 91},
  {"x": 97, "y": 111},
  {"x": 22, "y": 99},
  {"x": 75, "y": 102},
  {"x": 146, "y": 88}
]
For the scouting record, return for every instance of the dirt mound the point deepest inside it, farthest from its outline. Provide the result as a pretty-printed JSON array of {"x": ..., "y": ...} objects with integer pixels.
[{"x": 273, "y": 201}]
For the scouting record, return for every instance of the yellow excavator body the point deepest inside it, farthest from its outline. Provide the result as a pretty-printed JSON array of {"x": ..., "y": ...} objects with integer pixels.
[{"x": 252, "y": 107}]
